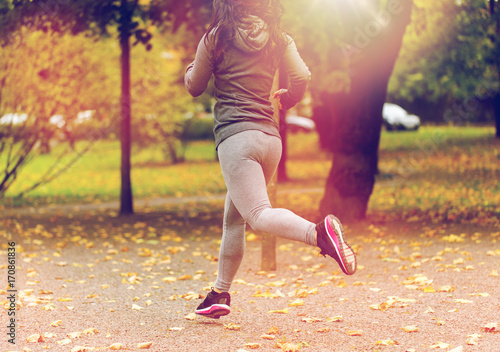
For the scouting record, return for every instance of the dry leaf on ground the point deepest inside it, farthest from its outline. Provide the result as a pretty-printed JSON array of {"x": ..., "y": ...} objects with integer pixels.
[
  {"x": 440, "y": 345},
  {"x": 115, "y": 346},
  {"x": 387, "y": 342},
  {"x": 190, "y": 316},
  {"x": 281, "y": 311},
  {"x": 267, "y": 337},
  {"x": 491, "y": 327},
  {"x": 144, "y": 345},
  {"x": 35, "y": 338},
  {"x": 252, "y": 345},
  {"x": 232, "y": 326},
  {"x": 410, "y": 328}
]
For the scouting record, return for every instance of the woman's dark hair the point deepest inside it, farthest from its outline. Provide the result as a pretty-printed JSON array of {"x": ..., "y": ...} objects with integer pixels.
[{"x": 227, "y": 14}]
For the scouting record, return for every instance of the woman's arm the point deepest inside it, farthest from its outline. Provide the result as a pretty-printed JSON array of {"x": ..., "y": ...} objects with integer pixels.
[
  {"x": 198, "y": 73},
  {"x": 298, "y": 75}
]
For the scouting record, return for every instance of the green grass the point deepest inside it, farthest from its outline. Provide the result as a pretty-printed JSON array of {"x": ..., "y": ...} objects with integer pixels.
[{"x": 96, "y": 176}]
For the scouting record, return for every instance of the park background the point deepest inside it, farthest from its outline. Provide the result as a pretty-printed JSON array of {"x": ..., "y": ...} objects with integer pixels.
[{"x": 94, "y": 116}]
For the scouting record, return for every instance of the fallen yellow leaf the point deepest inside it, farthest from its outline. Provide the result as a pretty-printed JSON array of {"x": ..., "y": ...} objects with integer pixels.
[
  {"x": 453, "y": 239},
  {"x": 310, "y": 320},
  {"x": 74, "y": 335},
  {"x": 136, "y": 307},
  {"x": 49, "y": 306},
  {"x": 473, "y": 339},
  {"x": 289, "y": 347},
  {"x": 429, "y": 310},
  {"x": 169, "y": 279},
  {"x": 175, "y": 329},
  {"x": 90, "y": 331},
  {"x": 273, "y": 331},
  {"x": 410, "y": 328},
  {"x": 64, "y": 342},
  {"x": 35, "y": 338},
  {"x": 440, "y": 345},
  {"x": 267, "y": 294},
  {"x": 387, "y": 342},
  {"x": 67, "y": 299},
  {"x": 56, "y": 323},
  {"x": 232, "y": 326},
  {"x": 459, "y": 300},
  {"x": 252, "y": 345},
  {"x": 446, "y": 288},
  {"x": 190, "y": 316},
  {"x": 79, "y": 349},
  {"x": 267, "y": 337},
  {"x": 282, "y": 311},
  {"x": 354, "y": 332},
  {"x": 296, "y": 303},
  {"x": 144, "y": 345},
  {"x": 115, "y": 346},
  {"x": 429, "y": 289},
  {"x": 334, "y": 319},
  {"x": 191, "y": 295}
]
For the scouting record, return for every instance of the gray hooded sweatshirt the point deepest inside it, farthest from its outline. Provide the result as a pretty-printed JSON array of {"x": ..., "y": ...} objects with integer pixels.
[{"x": 243, "y": 80}]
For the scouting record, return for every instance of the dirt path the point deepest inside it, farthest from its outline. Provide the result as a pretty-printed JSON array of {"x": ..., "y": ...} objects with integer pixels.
[{"x": 97, "y": 281}]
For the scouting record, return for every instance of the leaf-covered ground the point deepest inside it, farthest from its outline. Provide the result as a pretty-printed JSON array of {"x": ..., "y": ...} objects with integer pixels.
[
  {"x": 429, "y": 257},
  {"x": 91, "y": 281}
]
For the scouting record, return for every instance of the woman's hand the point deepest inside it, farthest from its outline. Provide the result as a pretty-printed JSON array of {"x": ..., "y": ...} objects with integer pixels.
[{"x": 277, "y": 96}]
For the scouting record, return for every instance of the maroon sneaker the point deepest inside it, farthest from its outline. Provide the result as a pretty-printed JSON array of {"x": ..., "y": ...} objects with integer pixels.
[
  {"x": 215, "y": 305},
  {"x": 331, "y": 242}
]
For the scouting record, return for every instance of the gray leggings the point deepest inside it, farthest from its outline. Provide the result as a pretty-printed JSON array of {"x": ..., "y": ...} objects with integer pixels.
[{"x": 248, "y": 161}]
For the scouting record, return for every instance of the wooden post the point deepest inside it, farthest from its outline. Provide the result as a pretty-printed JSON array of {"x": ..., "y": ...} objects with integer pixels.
[
  {"x": 282, "y": 174},
  {"x": 268, "y": 259}
]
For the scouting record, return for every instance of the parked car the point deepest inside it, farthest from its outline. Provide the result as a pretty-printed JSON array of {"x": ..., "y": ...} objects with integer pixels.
[
  {"x": 299, "y": 124},
  {"x": 397, "y": 118}
]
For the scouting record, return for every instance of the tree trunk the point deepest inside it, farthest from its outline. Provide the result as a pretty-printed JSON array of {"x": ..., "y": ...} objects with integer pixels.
[
  {"x": 495, "y": 40},
  {"x": 355, "y": 120},
  {"x": 126, "y": 201},
  {"x": 496, "y": 110}
]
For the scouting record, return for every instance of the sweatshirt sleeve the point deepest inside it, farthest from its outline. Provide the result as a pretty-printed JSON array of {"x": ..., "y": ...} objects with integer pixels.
[
  {"x": 198, "y": 73},
  {"x": 298, "y": 75}
]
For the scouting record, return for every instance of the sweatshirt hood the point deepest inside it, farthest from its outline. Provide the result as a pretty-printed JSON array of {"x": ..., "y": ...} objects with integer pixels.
[{"x": 252, "y": 34}]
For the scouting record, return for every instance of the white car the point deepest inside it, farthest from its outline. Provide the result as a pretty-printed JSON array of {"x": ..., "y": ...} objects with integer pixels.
[
  {"x": 299, "y": 124},
  {"x": 397, "y": 118}
]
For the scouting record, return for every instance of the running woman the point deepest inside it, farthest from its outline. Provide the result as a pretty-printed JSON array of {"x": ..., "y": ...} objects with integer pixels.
[{"x": 243, "y": 47}]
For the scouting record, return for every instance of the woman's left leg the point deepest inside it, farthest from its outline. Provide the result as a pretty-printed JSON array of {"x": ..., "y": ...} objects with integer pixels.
[{"x": 232, "y": 246}]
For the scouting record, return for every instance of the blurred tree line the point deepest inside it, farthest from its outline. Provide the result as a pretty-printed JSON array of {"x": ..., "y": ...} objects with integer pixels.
[
  {"x": 61, "y": 58},
  {"x": 63, "y": 83},
  {"x": 439, "y": 60},
  {"x": 448, "y": 70}
]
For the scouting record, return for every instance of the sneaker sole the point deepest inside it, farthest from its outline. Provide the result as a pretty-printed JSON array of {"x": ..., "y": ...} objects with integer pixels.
[
  {"x": 215, "y": 311},
  {"x": 347, "y": 257}
]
